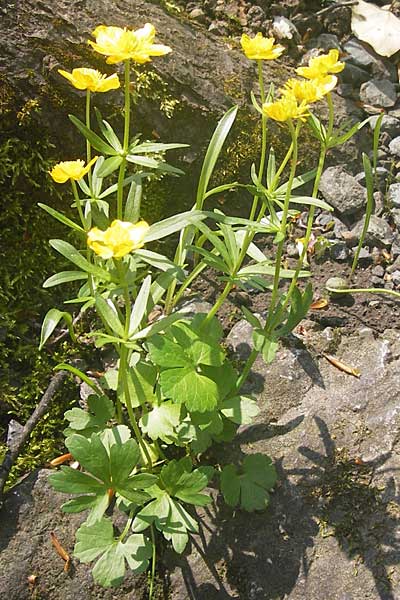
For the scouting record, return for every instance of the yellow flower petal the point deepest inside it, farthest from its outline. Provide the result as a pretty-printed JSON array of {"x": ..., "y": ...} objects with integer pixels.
[
  {"x": 71, "y": 169},
  {"x": 122, "y": 44},
  {"x": 311, "y": 90},
  {"x": 321, "y": 66},
  {"x": 260, "y": 48},
  {"x": 285, "y": 108},
  {"x": 91, "y": 79},
  {"x": 118, "y": 240}
]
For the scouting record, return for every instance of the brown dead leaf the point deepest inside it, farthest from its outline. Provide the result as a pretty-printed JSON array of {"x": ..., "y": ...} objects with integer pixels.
[
  {"x": 320, "y": 303},
  {"x": 60, "y": 551},
  {"x": 59, "y": 460},
  {"x": 341, "y": 365}
]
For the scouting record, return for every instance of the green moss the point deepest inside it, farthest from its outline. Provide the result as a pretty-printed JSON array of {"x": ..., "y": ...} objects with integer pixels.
[
  {"x": 26, "y": 259},
  {"x": 149, "y": 86}
]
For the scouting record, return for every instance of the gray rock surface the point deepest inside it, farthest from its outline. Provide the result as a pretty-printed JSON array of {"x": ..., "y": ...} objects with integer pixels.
[
  {"x": 362, "y": 55},
  {"x": 31, "y": 511},
  {"x": 390, "y": 124},
  {"x": 394, "y": 194},
  {"x": 394, "y": 146},
  {"x": 379, "y": 233},
  {"x": 378, "y": 92},
  {"x": 332, "y": 530},
  {"x": 342, "y": 191}
]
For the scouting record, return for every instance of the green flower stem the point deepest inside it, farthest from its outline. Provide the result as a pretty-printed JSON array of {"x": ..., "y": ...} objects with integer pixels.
[
  {"x": 123, "y": 378},
  {"x": 292, "y": 149},
  {"x": 78, "y": 204},
  {"x": 226, "y": 291},
  {"x": 310, "y": 220},
  {"x": 123, "y": 366},
  {"x": 250, "y": 233},
  {"x": 128, "y": 525},
  {"x": 88, "y": 146},
  {"x": 246, "y": 370},
  {"x": 294, "y": 133},
  {"x": 153, "y": 561},
  {"x": 366, "y": 290},
  {"x": 281, "y": 167},
  {"x": 195, "y": 273},
  {"x": 127, "y": 114}
]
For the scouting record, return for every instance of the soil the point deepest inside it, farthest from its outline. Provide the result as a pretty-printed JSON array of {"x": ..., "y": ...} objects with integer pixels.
[{"x": 347, "y": 312}]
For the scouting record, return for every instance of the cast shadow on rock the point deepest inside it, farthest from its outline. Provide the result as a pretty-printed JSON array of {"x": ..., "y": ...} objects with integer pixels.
[
  {"x": 263, "y": 555},
  {"x": 13, "y": 499},
  {"x": 250, "y": 556},
  {"x": 363, "y": 517}
]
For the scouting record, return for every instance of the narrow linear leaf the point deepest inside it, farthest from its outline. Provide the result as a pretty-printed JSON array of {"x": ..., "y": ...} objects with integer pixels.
[
  {"x": 213, "y": 152},
  {"x": 72, "y": 254},
  {"x": 50, "y": 322},
  {"x": 60, "y": 217},
  {"x": 64, "y": 277},
  {"x": 92, "y": 137},
  {"x": 140, "y": 305},
  {"x": 109, "y": 313}
]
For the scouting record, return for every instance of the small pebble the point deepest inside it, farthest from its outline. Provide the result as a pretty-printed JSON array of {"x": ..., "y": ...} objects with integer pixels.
[{"x": 378, "y": 271}]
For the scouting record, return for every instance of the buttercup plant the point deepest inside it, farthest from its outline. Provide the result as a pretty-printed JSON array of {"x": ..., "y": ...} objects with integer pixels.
[{"x": 173, "y": 391}]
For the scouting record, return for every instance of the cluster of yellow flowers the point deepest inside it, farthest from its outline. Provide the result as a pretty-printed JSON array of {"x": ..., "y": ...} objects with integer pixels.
[
  {"x": 121, "y": 44},
  {"x": 296, "y": 95},
  {"x": 118, "y": 44}
]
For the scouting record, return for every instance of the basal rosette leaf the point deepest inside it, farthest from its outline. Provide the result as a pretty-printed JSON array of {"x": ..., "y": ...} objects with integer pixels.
[
  {"x": 97, "y": 540},
  {"x": 185, "y": 356},
  {"x": 161, "y": 422},
  {"x": 108, "y": 468},
  {"x": 85, "y": 422},
  {"x": 177, "y": 483},
  {"x": 249, "y": 486}
]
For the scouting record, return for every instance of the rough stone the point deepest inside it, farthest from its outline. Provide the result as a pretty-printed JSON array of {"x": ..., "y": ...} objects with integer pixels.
[
  {"x": 342, "y": 191},
  {"x": 31, "y": 511},
  {"x": 339, "y": 252},
  {"x": 396, "y": 277},
  {"x": 379, "y": 232},
  {"x": 197, "y": 14},
  {"x": 326, "y": 41},
  {"x": 354, "y": 75},
  {"x": 378, "y": 271},
  {"x": 393, "y": 194},
  {"x": 394, "y": 146},
  {"x": 395, "y": 249},
  {"x": 395, "y": 266},
  {"x": 378, "y": 92},
  {"x": 363, "y": 56},
  {"x": 381, "y": 175},
  {"x": 336, "y": 501},
  {"x": 395, "y": 214},
  {"x": 389, "y": 124}
]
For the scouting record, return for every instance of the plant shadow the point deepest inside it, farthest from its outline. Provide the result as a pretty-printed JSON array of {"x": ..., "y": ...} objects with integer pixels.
[{"x": 264, "y": 555}]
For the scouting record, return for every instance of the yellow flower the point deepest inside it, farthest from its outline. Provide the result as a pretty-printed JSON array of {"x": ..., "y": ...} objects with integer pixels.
[
  {"x": 261, "y": 48},
  {"x": 71, "y": 169},
  {"x": 122, "y": 44},
  {"x": 311, "y": 90},
  {"x": 285, "y": 108},
  {"x": 119, "y": 239},
  {"x": 320, "y": 66},
  {"x": 91, "y": 79}
]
